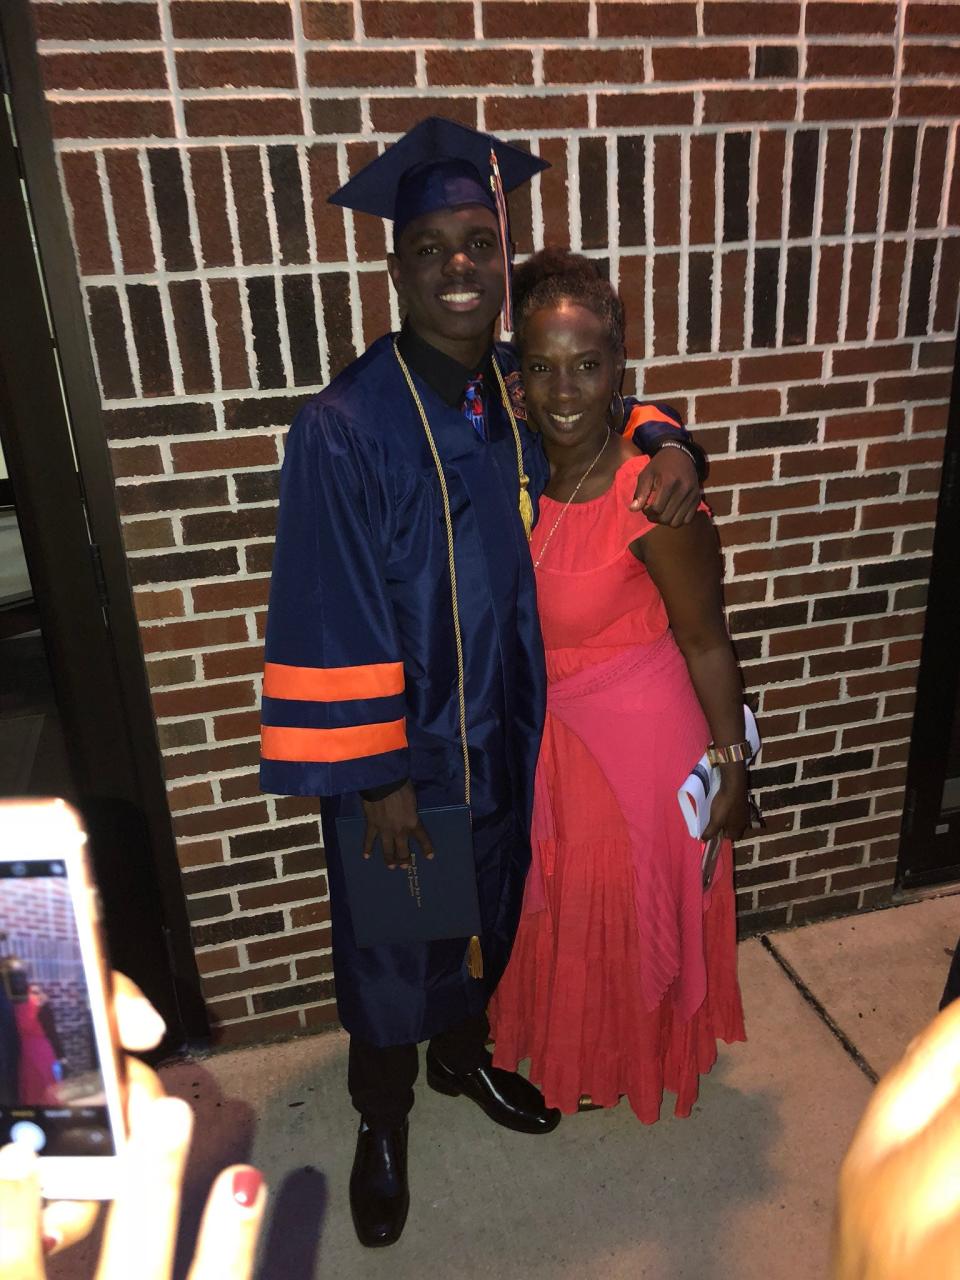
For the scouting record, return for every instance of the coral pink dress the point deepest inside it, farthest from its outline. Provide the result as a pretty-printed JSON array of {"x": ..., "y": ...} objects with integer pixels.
[
  {"x": 623, "y": 974},
  {"x": 38, "y": 1084}
]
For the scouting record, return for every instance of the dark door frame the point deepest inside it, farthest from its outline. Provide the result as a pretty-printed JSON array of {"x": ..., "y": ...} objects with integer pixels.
[
  {"x": 73, "y": 541},
  {"x": 929, "y": 856}
]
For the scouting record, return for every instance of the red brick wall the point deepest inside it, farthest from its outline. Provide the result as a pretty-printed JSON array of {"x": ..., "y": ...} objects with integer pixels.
[{"x": 773, "y": 188}]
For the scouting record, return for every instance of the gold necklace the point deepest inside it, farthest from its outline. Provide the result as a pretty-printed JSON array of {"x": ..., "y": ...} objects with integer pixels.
[{"x": 563, "y": 509}]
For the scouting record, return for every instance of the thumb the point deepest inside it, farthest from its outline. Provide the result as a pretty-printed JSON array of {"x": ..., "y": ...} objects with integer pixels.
[
  {"x": 899, "y": 1187},
  {"x": 913, "y": 1092},
  {"x": 20, "y": 1231},
  {"x": 646, "y": 485},
  {"x": 904, "y": 1208}
]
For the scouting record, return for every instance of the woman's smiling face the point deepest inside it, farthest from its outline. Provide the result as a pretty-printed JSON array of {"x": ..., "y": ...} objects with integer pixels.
[{"x": 570, "y": 373}]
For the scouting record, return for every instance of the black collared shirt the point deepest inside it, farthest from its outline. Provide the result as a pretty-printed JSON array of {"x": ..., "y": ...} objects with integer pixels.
[{"x": 442, "y": 374}]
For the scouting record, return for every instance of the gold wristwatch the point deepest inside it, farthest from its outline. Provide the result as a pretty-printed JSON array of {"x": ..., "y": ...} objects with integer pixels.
[{"x": 735, "y": 752}]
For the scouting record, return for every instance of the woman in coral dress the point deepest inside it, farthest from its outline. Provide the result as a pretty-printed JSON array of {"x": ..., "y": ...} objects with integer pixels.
[
  {"x": 623, "y": 974},
  {"x": 38, "y": 1058}
]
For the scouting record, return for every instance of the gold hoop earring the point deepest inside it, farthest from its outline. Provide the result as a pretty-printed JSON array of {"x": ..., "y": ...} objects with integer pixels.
[{"x": 617, "y": 411}]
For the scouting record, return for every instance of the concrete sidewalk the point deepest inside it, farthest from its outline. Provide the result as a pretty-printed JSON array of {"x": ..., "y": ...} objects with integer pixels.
[{"x": 742, "y": 1189}]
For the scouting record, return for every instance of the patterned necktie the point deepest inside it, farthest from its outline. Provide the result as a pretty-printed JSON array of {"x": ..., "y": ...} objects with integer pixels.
[{"x": 473, "y": 405}]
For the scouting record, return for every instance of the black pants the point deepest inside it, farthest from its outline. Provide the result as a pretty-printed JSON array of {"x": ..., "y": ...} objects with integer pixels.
[{"x": 381, "y": 1080}]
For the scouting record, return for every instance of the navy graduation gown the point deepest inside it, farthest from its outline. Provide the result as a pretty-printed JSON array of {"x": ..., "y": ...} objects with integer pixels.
[{"x": 360, "y": 686}]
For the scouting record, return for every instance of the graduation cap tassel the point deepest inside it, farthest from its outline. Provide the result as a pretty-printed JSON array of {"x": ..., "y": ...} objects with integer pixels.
[
  {"x": 474, "y": 958},
  {"x": 499, "y": 199}
]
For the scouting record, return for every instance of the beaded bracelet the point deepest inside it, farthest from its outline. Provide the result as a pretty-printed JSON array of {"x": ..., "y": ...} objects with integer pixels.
[{"x": 675, "y": 444}]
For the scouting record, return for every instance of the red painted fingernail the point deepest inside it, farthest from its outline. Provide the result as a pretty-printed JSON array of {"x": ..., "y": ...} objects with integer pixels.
[
  {"x": 50, "y": 1243},
  {"x": 246, "y": 1186}
]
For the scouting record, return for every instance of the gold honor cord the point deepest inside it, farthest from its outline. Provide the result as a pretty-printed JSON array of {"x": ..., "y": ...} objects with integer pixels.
[
  {"x": 474, "y": 953},
  {"x": 526, "y": 505}
]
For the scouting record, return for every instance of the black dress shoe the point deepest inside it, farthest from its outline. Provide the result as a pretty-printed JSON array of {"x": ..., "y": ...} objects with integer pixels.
[
  {"x": 379, "y": 1194},
  {"x": 506, "y": 1097}
]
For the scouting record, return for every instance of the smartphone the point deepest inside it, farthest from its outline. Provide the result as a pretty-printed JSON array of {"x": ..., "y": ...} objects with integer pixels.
[
  {"x": 708, "y": 867},
  {"x": 62, "y": 1087}
]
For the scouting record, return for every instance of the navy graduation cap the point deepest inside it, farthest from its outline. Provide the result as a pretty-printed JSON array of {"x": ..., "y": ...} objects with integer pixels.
[{"x": 440, "y": 164}]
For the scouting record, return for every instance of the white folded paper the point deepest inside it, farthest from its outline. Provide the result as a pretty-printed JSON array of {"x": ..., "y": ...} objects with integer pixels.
[{"x": 696, "y": 794}]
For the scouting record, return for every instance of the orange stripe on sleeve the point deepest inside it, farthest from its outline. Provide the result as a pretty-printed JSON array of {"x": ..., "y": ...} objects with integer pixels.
[
  {"x": 332, "y": 684},
  {"x": 642, "y": 413},
  {"x": 329, "y": 746}
]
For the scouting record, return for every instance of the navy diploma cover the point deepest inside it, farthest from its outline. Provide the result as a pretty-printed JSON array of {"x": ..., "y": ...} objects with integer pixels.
[{"x": 432, "y": 898}]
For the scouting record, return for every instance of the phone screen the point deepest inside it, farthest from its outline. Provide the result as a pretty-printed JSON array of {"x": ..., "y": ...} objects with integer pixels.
[{"x": 51, "y": 1084}]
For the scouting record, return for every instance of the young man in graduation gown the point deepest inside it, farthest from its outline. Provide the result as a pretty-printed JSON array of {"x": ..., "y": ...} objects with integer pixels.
[{"x": 362, "y": 691}]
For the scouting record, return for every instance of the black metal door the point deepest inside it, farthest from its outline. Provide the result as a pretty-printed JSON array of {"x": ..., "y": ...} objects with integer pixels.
[
  {"x": 79, "y": 598},
  {"x": 930, "y": 837}
]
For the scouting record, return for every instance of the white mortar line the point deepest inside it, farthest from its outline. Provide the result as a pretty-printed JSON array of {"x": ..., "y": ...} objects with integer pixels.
[
  {"x": 536, "y": 200},
  {"x": 300, "y": 62},
  {"x": 883, "y": 204},
  {"x": 802, "y": 44},
  {"x": 613, "y": 212},
  {"x": 817, "y": 230},
  {"x": 169, "y": 328},
  {"x": 751, "y": 233},
  {"x": 234, "y": 224},
  {"x": 241, "y": 44},
  {"x": 573, "y": 193},
  {"x": 647, "y": 56},
  {"x": 205, "y": 300},
  {"x": 304, "y": 167},
  {"x": 538, "y": 66},
  {"x": 274, "y": 233},
  {"x": 169, "y": 57},
  {"x": 106, "y": 196},
  {"x": 906, "y": 282},
  {"x": 942, "y": 220},
  {"x": 789, "y": 137},
  {"x": 898, "y": 40},
  {"x": 716, "y": 293},
  {"x": 648, "y": 346},
  {"x": 683, "y": 299},
  {"x": 343, "y": 173},
  {"x": 848, "y": 248}
]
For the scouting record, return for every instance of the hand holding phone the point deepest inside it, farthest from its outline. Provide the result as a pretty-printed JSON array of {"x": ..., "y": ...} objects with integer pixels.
[
  {"x": 143, "y": 1221},
  {"x": 55, "y": 1006},
  {"x": 70, "y": 1127},
  {"x": 140, "y": 1028}
]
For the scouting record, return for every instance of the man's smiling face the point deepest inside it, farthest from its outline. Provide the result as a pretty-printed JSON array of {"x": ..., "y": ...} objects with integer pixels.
[{"x": 448, "y": 273}]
